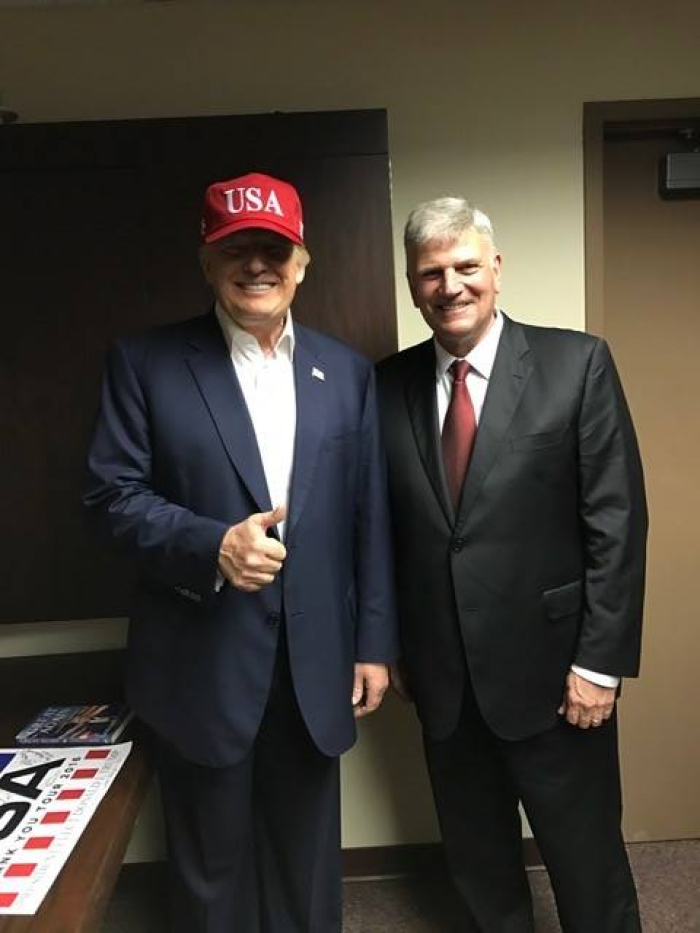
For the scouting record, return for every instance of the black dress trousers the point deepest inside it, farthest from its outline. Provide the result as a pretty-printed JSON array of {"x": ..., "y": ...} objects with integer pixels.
[
  {"x": 255, "y": 847},
  {"x": 568, "y": 781}
]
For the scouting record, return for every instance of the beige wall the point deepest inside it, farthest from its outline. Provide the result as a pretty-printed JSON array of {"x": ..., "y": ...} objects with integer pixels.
[{"x": 483, "y": 99}]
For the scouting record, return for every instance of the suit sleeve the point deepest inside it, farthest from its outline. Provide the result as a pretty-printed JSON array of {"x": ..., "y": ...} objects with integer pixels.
[
  {"x": 168, "y": 542},
  {"x": 614, "y": 523},
  {"x": 377, "y": 638}
]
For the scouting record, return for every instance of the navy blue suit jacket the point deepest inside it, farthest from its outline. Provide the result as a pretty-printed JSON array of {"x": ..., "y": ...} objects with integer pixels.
[{"x": 173, "y": 464}]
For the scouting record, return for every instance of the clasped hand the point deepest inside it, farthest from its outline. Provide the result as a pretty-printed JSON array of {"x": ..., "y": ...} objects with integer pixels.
[
  {"x": 248, "y": 558},
  {"x": 369, "y": 686},
  {"x": 585, "y": 704}
]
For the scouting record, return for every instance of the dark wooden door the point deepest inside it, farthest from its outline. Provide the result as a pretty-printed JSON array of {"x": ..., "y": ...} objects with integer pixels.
[
  {"x": 651, "y": 288},
  {"x": 98, "y": 237}
]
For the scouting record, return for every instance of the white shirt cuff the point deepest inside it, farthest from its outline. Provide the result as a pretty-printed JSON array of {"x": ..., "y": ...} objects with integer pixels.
[{"x": 602, "y": 680}]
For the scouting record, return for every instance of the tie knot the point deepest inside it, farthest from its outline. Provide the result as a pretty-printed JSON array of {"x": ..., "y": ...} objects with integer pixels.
[{"x": 459, "y": 369}]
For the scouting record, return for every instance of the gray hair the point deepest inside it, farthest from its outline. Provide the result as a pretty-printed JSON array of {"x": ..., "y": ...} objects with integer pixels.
[
  {"x": 444, "y": 220},
  {"x": 302, "y": 255}
]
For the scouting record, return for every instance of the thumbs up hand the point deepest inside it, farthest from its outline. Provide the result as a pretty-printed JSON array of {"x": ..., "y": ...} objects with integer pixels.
[{"x": 248, "y": 558}]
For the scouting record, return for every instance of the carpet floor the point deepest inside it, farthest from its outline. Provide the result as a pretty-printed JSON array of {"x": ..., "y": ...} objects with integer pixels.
[{"x": 667, "y": 876}]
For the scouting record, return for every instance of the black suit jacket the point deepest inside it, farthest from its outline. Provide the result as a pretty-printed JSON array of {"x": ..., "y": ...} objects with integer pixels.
[{"x": 543, "y": 566}]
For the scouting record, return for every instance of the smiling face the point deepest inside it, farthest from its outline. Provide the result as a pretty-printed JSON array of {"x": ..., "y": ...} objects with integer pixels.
[
  {"x": 454, "y": 284},
  {"x": 254, "y": 274}
]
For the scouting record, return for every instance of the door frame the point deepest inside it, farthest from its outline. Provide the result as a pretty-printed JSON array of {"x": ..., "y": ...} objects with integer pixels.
[{"x": 599, "y": 118}]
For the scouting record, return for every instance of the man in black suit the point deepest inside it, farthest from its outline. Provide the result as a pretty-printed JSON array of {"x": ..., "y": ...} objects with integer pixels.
[
  {"x": 237, "y": 461},
  {"x": 519, "y": 524}
]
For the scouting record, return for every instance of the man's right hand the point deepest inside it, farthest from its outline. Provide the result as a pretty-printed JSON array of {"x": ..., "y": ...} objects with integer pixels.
[{"x": 248, "y": 558}]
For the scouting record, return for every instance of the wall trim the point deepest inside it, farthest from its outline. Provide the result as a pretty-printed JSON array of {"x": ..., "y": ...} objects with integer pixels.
[{"x": 363, "y": 863}]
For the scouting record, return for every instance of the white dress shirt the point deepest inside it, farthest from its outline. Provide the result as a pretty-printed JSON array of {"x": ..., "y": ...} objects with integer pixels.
[
  {"x": 267, "y": 383},
  {"x": 481, "y": 360}
]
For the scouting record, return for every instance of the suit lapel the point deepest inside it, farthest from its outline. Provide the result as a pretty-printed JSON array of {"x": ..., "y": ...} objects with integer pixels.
[
  {"x": 422, "y": 409},
  {"x": 511, "y": 370},
  {"x": 211, "y": 366},
  {"x": 311, "y": 384}
]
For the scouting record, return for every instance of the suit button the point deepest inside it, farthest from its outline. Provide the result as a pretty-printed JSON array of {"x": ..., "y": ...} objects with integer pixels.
[
  {"x": 457, "y": 545},
  {"x": 273, "y": 619}
]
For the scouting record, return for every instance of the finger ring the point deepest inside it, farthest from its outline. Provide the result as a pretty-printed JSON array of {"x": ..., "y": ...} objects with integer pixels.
[{"x": 596, "y": 722}]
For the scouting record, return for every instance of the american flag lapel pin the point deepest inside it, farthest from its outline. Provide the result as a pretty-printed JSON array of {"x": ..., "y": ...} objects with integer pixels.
[{"x": 318, "y": 374}]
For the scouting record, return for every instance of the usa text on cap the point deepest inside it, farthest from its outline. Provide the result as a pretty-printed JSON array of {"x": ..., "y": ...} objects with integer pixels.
[{"x": 253, "y": 200}]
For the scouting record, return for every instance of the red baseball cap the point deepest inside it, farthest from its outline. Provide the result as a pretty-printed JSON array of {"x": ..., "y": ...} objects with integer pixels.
[{"x": 253, "y": 200}]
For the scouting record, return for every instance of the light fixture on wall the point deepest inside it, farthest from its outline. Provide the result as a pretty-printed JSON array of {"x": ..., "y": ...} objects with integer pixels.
[{"x": 679, "y": 172}]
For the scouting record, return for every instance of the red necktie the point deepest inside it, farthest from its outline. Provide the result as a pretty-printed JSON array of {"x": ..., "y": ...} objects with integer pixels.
[{"x": 458, "y": 431}]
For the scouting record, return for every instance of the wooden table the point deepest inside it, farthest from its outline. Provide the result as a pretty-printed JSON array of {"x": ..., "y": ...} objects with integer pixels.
[{"x": 77, "y": 901}]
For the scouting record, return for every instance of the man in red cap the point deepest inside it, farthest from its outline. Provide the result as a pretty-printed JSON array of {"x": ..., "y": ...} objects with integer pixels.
[{"x": 236, "y": 458}]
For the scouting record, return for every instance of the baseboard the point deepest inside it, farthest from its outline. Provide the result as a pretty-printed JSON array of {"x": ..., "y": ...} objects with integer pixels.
[
  {"x": 410, "y": 859},
  {"x": 364, "y": 862}
]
